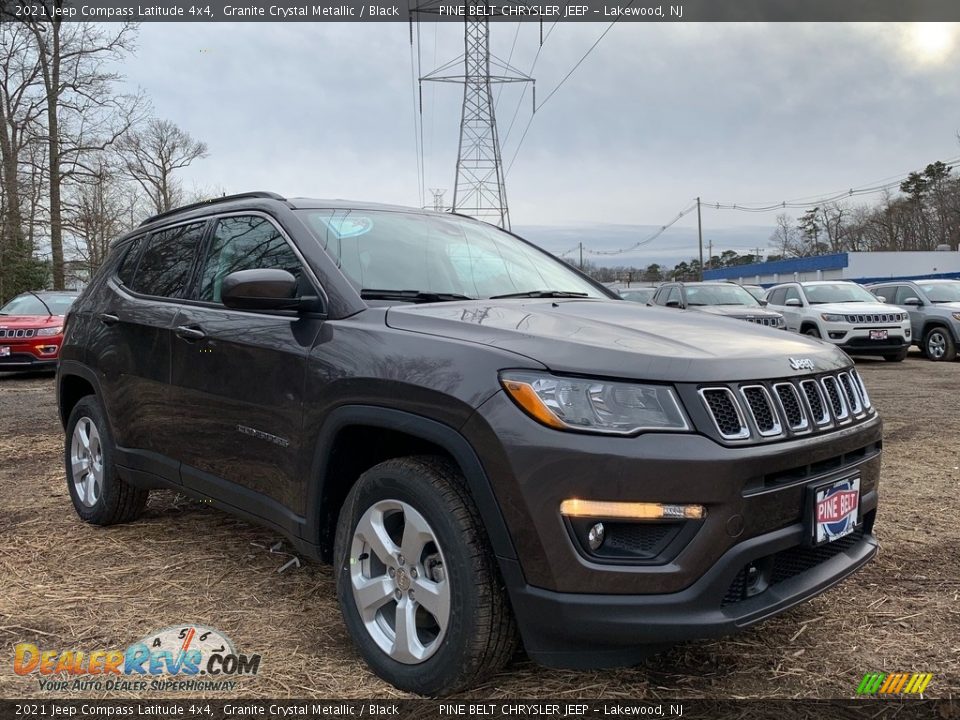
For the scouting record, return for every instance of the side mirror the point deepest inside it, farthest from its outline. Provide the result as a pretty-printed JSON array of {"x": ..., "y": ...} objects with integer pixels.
[
  {"x": 264, "y": 289},
  {"x": 673, "y": 303},
  {"x": 793, "y": 302},
  {"x": 880, "y": 298},
  {"x": 913, "y": 301},
  {"x": 763, "y": 303}
]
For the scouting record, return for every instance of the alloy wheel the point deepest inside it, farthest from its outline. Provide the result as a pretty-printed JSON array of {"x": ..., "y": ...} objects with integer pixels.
[
  {"x": 86, "y": 462},
  {"x": 936, "y": 345},
  {"x": 399, "y": 581}
]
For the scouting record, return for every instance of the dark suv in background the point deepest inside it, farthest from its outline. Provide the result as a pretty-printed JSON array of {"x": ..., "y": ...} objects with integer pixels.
[{"x": 482, "y": 440}]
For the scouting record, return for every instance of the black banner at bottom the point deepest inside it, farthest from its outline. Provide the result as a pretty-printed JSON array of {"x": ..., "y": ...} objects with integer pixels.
[{"x": 193, "y": 709}]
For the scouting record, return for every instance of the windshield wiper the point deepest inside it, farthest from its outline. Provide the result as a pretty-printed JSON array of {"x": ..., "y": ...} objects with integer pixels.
[
  {"x": 540, "y": 294},
  {"x": 410, "y": 295},
  {"x": 47, "y": 307}
]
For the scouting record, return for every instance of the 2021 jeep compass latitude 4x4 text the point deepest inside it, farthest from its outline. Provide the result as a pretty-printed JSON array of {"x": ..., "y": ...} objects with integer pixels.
[{"x": 487, "y": 445}]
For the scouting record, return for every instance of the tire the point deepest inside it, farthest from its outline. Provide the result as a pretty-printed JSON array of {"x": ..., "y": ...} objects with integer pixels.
[
  {"x": 938, "y": 345},
  {"x": 459, "y": 641},
  {"x": 99, "y": 495},
  {"x": 898, "y": 356},
  {"x": 812, "y": 331}
]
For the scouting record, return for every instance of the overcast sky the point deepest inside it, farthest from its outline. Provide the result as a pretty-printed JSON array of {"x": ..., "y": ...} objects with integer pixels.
[{"x": 656, "y": 115}]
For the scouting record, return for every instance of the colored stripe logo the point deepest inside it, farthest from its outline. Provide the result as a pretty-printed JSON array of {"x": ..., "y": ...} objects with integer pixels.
[{"x": 894, "y": 683}]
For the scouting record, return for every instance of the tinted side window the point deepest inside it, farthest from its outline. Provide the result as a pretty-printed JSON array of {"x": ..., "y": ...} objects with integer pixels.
[
  {"x": 245, "y": 243},
  {"x": 128, "y": 264},
  {"x": 887, "y": 293},
  {"x": 164, "y": 268},
  {"x": 904, "y": 292},
  {"x": 792, "y": 294},
  {"x": 673, "y": 295},
  {"x": 776, "y": 297}
]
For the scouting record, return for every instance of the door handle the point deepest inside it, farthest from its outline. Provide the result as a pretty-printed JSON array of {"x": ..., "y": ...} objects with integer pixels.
[
  {"x": 190, "y": 333},
  {"x": 108, "y": 319}
]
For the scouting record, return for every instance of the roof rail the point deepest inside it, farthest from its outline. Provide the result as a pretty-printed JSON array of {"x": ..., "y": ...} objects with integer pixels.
[{"x": 263, "y": 194}]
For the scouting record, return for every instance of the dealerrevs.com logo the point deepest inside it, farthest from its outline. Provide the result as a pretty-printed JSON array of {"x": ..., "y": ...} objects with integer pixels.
[{"x": 180, "y": 658}]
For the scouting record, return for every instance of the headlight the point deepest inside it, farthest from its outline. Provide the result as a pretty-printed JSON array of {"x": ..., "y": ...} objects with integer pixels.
[
  {"x": 599, "y": 406},
  {"x": 828, "y": 317},
  {"x": 49, "y": 331},
  {"x": 956, "y": 316},
  {"x": 781, "y": 322}
]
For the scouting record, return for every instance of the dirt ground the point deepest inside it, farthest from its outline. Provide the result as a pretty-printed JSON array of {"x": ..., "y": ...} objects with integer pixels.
[{"x": 71, "y": 585}]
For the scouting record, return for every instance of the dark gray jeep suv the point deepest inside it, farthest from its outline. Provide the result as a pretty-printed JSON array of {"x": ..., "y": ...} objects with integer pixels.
[{"x": 488, "y": 445}]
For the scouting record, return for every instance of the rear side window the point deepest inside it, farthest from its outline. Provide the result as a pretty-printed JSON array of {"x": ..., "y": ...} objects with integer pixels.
[
  {"x": 128, "y": 264},
  {"x": 776, "y": 296},
  {"x": 164, "y": 268},
  {"x": 793, "y": 294},
  {"x": 887, "y": 293},
  {"x": 247, "y": 242},
  {"x": 904, "y": 292}
]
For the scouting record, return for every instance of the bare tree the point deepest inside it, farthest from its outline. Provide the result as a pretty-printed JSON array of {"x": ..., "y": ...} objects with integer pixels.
[
  {"x": 83, "y": 114},
  {"x": 152, "y": 157},
  {"x": 20, "y": 108}
]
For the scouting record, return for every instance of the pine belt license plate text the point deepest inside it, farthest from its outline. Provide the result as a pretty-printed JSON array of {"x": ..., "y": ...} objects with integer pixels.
[
  {"x": 836, "y": 509},
  {"x": 4, "y": 350},
  {"x": 878, "y": 334}
]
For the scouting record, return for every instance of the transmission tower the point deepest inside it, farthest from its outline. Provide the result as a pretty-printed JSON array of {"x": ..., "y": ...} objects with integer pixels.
[
  {"x": 479, "y": 189},
  {"x": 438, "y": 194}
]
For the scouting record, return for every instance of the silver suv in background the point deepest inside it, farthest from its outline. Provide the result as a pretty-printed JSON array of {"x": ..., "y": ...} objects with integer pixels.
[
  {"x": 934, "y": 309},
  {"x": 844, "y": 314}
]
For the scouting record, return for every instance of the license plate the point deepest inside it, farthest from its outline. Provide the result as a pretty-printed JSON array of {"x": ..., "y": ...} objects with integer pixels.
[
  {"x": 836, "y": 509},
  {"x": 878, "y": 334},
  {"x": 4, "y": 350}
]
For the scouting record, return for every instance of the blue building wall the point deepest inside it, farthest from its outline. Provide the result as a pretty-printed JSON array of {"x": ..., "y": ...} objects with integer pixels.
[{"x": 782, "y": 267}]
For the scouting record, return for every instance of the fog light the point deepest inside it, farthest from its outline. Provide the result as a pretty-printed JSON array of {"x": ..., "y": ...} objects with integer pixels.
[
  {"x": 595, "y": 536},
  {"x": 47, "y": 349}
]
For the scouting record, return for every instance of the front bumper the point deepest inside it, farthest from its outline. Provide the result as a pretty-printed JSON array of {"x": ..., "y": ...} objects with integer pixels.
[
  {"x": 856, "y": 340},
  {"x": 17, "y": 361},
  {"x": 591, "y": 631}
]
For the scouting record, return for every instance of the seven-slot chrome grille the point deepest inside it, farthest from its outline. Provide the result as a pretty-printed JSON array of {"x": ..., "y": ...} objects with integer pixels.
[
  {"x": 764, "y": 320},
  {"x": 10, "y": 333},
  {"x": 866, "y": 318},
  {"x": 785, "y": 408}
]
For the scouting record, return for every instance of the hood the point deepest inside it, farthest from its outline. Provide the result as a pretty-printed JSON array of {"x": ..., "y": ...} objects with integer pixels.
[
  {"x": 10, "y": 321},
  {"x": 737, "y": 311},
  {"x": 855, "y": 308},
  {"x": 952, "y": 306},
  {"x": 621, "y": 339}
]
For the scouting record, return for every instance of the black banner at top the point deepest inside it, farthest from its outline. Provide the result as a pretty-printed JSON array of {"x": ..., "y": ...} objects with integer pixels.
[{"x": 502, "y": 11}]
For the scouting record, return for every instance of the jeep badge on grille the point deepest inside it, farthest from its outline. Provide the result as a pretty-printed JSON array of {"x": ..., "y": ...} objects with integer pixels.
[{"x": 802, "y": 364}]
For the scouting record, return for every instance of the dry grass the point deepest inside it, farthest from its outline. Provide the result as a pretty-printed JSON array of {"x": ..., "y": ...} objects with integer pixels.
[{"x": 70, "y": 585}]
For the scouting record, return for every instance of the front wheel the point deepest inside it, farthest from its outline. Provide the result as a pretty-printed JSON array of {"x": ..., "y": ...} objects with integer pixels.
[
  {"x": 417, "y": 581},
  {"x": 938, "y": 345},
  {"x": 812, "y": 331}
]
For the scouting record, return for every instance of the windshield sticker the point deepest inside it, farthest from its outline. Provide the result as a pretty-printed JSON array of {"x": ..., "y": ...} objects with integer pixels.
[{"x": 348, "y": 227}]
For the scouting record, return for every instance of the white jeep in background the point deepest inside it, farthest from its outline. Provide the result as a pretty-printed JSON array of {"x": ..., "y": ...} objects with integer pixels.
[{"x": 845, "y": 314}]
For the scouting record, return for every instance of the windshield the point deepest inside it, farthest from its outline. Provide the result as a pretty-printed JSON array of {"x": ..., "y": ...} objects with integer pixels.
[
  {"x": 437, "y": 256},
  {"x": 838, "y": 293},
  {"x": 942, "y": 292},
  {"x": 758, "y": 292},
  {"x": 719, "y": 295},
  {"x": 29, "y": 305},
  {"x": 641, "y": 295}
]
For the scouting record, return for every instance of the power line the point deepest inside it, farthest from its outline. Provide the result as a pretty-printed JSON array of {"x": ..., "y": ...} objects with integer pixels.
[
  {"x": 800, "y": 203},
  {"x": 523, "y": 94},
  {"x": 646, "y": 241},
  {"x": 559, "y": 85}
]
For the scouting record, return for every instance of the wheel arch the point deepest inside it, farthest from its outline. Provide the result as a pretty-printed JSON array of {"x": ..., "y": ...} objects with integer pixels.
[
  {"x": 74, "y": 382},
  {"x": 382, "y": 434},
  {"x": 932, "y": 323}
]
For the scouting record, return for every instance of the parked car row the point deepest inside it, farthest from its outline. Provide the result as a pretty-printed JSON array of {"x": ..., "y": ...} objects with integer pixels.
[{"x": 882, "y": 319}]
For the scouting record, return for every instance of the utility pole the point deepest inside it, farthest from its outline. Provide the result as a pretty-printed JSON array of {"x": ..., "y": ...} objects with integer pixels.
[
  {"x": 438, "y": 194},
  {"x": 710, "y": 254},
  {"x": 581, "y": 255},
  {"x": 700, "y": 237},
  {"x": 479, "y": 188}
]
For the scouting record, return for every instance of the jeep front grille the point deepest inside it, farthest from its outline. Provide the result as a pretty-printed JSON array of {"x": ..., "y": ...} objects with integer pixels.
[
  {"x": 782, "y": 408},
  {"x": 874, "y": 318},
  {"x": 767, "y": 321},
  {"x": 18, "y": 333},
  {"x": 725, "y": 412}
]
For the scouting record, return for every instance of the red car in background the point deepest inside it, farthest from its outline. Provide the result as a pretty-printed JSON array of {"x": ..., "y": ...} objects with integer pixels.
[{"x": 31, "y": 330}]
